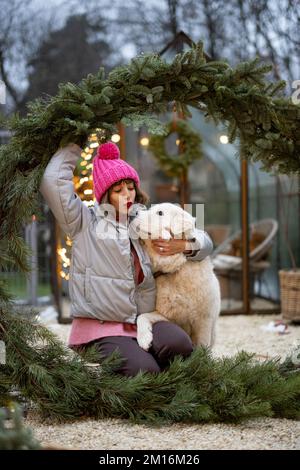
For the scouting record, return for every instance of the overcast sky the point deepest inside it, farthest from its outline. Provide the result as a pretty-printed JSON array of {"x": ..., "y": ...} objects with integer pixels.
[{"x": 62, "y": 9}]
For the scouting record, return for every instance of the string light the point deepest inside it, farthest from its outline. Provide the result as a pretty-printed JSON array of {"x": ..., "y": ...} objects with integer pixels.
[
  {"x": 115, "y": 138},
  {"x": 69, "y": 241},
  {"x": 83, "y": 185},
  {"x": 82, "y": 180},
  {"x": 64, "y": 258},
  {"x": 144, "y": 141},
  {"x": 64, "y": 275},
  {"x": 224, "y": 139}
]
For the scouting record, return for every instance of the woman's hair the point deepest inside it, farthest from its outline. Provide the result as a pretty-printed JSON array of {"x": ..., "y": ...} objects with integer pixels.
[{"x": 140, "y": 196}]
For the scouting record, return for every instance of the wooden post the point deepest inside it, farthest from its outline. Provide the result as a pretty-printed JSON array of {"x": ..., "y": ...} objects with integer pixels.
[
  {"x": 55, "y": 279},
  {"x": 245, "y": 235},
  {"x": 32, "y": 279},
  {"x": 122, "y": 141},
  {"x": 184, "y": 190}
]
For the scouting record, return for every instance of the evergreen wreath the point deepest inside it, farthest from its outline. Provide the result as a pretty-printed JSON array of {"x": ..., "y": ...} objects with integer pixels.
[
  {"x": 201, "y": 388},
  {"x": 175, "y": 165},
  {"x": 268, "y": 126}
]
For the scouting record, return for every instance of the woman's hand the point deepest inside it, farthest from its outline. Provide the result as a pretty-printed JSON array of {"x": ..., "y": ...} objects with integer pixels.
[{"x": 171, "y": 247}]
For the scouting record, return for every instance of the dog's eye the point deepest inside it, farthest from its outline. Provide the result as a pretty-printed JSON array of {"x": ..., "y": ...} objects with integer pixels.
[{"x": 160, "y": 213}]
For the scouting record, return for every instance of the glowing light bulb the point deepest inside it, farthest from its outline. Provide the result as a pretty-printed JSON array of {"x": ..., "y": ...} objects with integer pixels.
[
  {"x": 223, "y": 139},
  {"x": 82, "y": 180},
  {"x": 144, "y": 141},
  {"x": 115, "y": 138}
]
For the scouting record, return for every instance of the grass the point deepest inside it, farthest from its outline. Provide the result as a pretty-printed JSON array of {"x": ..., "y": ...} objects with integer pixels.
[{"x": 17, "y": 285}]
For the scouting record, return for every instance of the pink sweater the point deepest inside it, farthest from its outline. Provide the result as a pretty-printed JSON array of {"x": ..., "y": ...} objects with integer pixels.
[{"x": 84, "y": 330}]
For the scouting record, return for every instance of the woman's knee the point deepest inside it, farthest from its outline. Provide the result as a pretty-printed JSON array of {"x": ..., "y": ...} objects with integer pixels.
[
  {"x": 171, "y": 340},
  {"x": 181, "y": 344},
  {"x": 134, "y": 359},
  {"x": 134, "y": 366}
]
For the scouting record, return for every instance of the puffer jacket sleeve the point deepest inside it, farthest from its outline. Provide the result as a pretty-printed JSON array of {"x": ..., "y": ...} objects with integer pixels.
[
  {"x": 58, "y": 190},
  {"x": 202, "y": 246}
]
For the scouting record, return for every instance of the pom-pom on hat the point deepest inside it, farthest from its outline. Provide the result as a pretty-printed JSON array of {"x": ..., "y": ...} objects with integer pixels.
[{"x": 108, "y": 168}]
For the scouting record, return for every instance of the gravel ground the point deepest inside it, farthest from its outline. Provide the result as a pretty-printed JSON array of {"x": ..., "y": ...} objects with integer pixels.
[{"x": 234, "y": 333}]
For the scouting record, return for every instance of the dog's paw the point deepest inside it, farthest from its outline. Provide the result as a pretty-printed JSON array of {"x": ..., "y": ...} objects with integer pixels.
[{"x": 144, "y": 338}]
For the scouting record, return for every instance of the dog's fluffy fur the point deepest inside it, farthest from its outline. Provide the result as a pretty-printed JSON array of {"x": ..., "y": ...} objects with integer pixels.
[{"x": 189, "y": 293}]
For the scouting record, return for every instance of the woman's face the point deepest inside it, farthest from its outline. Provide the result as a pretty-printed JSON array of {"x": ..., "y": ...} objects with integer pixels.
[{"x": 122, "y": 195}]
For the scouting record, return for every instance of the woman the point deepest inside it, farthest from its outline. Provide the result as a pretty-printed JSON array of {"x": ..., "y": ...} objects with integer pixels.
[{"x": 111, "y": 281}]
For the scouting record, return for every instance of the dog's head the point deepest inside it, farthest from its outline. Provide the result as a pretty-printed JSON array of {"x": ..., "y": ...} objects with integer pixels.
[{"x": 163, "y": 221}]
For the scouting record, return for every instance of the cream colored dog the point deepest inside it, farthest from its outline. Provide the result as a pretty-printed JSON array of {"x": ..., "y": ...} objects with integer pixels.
[{"x": 188, "y": 294}]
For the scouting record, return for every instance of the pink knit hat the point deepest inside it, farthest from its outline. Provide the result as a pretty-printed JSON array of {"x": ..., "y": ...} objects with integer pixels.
[{"x": 108, "y": 168}]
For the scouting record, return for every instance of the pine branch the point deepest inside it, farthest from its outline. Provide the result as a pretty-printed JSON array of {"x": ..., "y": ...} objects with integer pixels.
[
  {"x": 14, "y": 436},
  {"x": 199, "y": 389}
]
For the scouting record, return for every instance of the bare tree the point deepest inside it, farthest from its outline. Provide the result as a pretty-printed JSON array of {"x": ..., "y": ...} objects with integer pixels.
[
  {"x": 147, "y": 25},
  {"x": 22, "y": 28},
  {"x": 18, "y": 35},
  {"x": 233, "y": 29},
  {"x": 67, "y": 54}
]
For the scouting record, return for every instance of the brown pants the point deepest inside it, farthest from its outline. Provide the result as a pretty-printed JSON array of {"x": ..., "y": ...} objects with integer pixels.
[{"x": 169, "y": 340}]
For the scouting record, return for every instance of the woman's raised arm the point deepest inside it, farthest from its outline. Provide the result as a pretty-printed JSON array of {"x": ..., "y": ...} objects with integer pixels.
[{"x": 57, "y": 188}]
